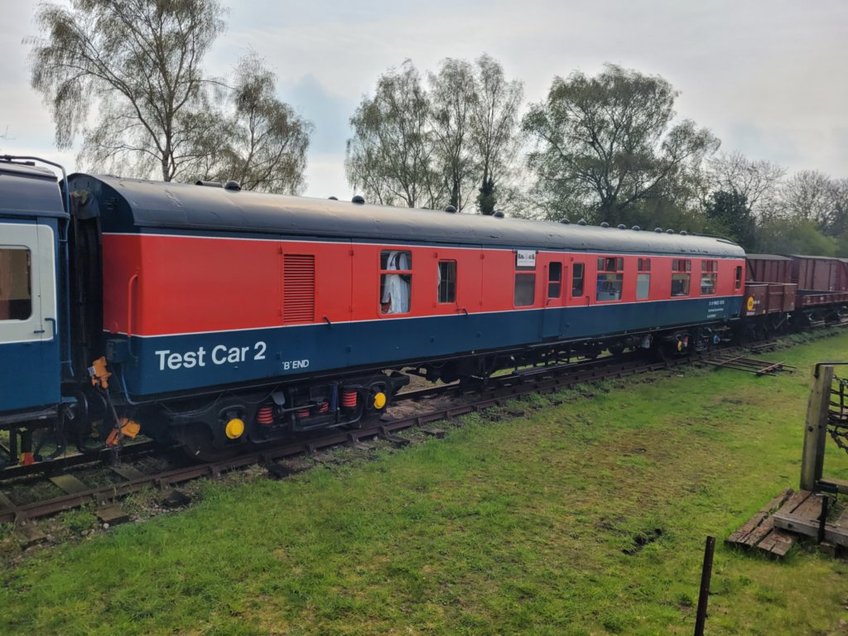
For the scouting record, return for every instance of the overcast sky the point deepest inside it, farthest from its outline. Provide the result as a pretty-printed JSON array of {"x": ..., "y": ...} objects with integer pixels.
[{"x": 768, "y": 77}]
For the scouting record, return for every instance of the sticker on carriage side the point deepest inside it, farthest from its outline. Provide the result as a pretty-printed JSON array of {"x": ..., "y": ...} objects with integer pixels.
[
  {"x": 525, "y": 258},
  {"x": 218, "y": 355},
  {"x": 715, "y": 308}
]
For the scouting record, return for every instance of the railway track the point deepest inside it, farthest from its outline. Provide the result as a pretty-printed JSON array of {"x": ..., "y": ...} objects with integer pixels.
[{"x": 456, "y": 400}]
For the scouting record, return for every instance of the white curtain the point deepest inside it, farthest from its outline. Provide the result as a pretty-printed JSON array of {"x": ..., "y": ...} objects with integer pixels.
[{"x": 395, "y": 288}]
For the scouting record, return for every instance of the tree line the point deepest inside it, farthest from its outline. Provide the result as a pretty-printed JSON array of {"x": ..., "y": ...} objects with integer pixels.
[
  {"x": 127, "y": 78},
  {"x": 603, "y": 148}
]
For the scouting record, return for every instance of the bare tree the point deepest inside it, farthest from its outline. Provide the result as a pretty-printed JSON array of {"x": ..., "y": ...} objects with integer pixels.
[
  {"x": 494, "y": 125},
  {"x": 127, "y": 77},
  {"x": 813, "y": 196},
  {"x": 138, "y": 61},
  {"x": 452, "y": 96},
  {"x": 390, "y": 157},
  {"x": 755, "y": 180},
  {"x": 261, "y": 142}
]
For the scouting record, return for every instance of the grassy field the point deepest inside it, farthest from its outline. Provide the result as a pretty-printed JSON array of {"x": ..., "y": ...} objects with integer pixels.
[{"x": 579, "y": 513}]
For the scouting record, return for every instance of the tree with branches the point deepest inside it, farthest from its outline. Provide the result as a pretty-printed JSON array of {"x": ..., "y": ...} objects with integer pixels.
[
  {"x": 609, "y": 142},
  {"x": 127, "y": 77}
]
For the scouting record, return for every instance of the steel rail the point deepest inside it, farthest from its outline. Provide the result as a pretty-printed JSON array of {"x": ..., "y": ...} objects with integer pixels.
[{"x": 507, "y": 388}]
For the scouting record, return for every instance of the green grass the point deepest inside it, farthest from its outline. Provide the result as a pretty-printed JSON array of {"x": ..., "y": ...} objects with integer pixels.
[{"x": 521, "y": 525}]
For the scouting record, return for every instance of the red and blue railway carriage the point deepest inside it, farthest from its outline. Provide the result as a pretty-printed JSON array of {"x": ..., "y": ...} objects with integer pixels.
[{"x": 227, "y": 316}]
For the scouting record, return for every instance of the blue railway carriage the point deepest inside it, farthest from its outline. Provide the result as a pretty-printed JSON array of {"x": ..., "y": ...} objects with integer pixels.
[{"x": 32, "y": 346}]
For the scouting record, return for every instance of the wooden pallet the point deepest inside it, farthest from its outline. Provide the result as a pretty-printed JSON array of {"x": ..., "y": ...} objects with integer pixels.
[{"x": 759, "y": 532}]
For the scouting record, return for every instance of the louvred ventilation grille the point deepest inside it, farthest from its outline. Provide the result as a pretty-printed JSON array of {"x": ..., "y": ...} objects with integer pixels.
[{"x": 299, "y": 288}]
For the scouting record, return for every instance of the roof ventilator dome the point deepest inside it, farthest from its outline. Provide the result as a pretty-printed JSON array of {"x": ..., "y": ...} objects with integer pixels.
[
  {"x": 358, "y": 199},
  {"x": 581, "y": 222},
  {"x": 658, "y": 230},
  {"x": 450, "y": 209},
  {"x": 604, "y": 224},
  {"x": 635, "y": 228},
  {"x": 621, "y": 226},
  {"x": 232, "y": 186},
  {"x": 498, "y": 214}
]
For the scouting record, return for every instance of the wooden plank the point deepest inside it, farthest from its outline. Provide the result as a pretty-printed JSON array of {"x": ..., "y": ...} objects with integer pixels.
[
  {"x": 809, "y": 510},
  {"x": 6, "y": 503},
  {"x": 130, "y": 473},
  {"x": 795, "y": 500},
  {"x": 774, "y": 367},
  {"x": 777, "y": 542},
  {"x": 759, "y": 533},
  {"x": 113, "y": 515},
  {"x": 761, "y": 515},
  {"x": 833, "y": 534},
  {"x": 815, "y": 428},
  {"x": 841, "y": 484},
  {"x": 69, "y": 484}
]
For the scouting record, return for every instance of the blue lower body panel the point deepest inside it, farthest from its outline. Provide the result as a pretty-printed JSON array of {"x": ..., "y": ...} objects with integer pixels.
[
  {"x": 29, "y": 375},
  {"x": 166, "y": 364}
]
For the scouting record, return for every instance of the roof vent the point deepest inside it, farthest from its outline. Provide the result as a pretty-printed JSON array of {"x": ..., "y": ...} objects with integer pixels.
[
  {"x": 358, "y": 198},
  {"x": 684, "y": 233},
  {"x": 498, "y": 214},
  {"x": 657, "y": 230},
  {"x": 564, "y": 221},
  {"x": 604, "y": 224},
  {"x": 450, "y": 209},
  {"x": 333, "y": 198},
  {"x": 232, "y": 186},
  {"x": 635, "y": 228},
  {"x": 622, "y": 226},
  {"x": 669, "y": 231},
  {"x": 211, "y": 184},
  {"x": 581, "y": 222}
]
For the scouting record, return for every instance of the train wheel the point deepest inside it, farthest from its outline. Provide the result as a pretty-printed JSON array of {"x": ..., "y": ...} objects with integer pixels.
[{"x": 196, "y": 442}]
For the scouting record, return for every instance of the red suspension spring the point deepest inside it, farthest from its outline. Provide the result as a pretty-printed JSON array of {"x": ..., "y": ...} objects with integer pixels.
[
  {"x": 349, "y": 398},
  {"x": 265, "y": 415},
  {"x": 303, "y": 413},
  {"x": 325, "y": 407}
]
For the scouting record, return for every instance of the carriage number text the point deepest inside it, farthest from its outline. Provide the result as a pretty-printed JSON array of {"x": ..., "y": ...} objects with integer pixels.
[{"x": 218, "y": 355}]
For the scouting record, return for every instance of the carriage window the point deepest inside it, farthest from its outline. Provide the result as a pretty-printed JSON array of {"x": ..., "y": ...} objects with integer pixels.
[
  {"x": 525, "y": 288},
  {"x": 554, "y": 280},
  {"x": 610, "y": 278},
  {"x": 395, "y": 281},
  {"x": 577, "y": 280},
  {"x": 680, "y": 275},
  {"x": 739, "y": 277},
  {"x": 709, "y": 273},
  {"x": 525, "y": 277},
  {"x": 15, "y": 283},
  {"x": 447, "y": 281},
  {"x": 643, "y": 279}
]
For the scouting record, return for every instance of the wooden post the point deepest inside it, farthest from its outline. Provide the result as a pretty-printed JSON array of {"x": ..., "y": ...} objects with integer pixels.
[
  {"x": 815, "y": 429},
  {"x": 704, "y": 596}
]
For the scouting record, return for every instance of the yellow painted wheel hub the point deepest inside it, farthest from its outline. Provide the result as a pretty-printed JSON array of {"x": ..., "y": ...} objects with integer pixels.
[
  {"x": 234, "y": 428},
  {"x": 380, "y": 400}
]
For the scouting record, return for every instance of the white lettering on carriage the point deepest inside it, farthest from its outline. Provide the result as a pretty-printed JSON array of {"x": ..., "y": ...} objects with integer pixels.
[{"x": 219, "y": 355}]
